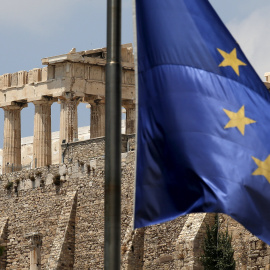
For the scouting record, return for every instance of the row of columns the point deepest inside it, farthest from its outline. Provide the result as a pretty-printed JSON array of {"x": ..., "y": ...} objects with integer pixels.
[{"x": 42, "y": 129}]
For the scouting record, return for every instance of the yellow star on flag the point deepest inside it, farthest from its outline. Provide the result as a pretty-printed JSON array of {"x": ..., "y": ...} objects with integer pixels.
[
  {"x": 230, "y": 59},
  {"x": 263, "y": 167},
  {"x": 238, "y": 119}
]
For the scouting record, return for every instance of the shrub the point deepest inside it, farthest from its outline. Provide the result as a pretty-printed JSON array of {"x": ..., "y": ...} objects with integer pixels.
[
  {"x": 9, "y": 185},
  {"x": 32, "y": 177},
  {"x": 56, "y": 180},
  {"x": 2, "y": 249},
  {"x": 217, "y": 248},
  {"x": 38, "y": 173},
  {"x": 17, "y": 181},
  {"x": 42, "y": 183}
]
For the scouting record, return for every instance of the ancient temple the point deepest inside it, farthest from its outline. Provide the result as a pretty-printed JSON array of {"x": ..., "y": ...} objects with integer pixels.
[{"x": 67, "y": 79}]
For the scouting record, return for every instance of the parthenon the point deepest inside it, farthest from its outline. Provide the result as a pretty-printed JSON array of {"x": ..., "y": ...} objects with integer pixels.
[{"x": 67, "y": 79}]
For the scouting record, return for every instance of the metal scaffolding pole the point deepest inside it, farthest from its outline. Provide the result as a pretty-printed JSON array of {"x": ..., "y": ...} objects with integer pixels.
[{"x": 112, "y": 257}]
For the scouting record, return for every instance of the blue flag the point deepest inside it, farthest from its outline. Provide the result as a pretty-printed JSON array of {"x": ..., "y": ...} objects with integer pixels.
[{"x": 203, "y": 142}]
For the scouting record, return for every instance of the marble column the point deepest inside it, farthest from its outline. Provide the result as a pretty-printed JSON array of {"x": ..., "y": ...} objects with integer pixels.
[
  {"x": 42, "y": 145},
  {"x": 35, "y": 250},
  {"x": 68, "y": 122},
  {"x": 130, "y": 117},
  {"x": 12, "y": 138},
  {"x": 97, "y": 128}
]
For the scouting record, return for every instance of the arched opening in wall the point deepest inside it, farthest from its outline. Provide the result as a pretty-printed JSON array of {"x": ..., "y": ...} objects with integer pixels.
[
  {"x": 27, "y": 131},
  {"x": 55, "y": 122},
  {"x": 83, "y": 111},
  {"x": 123, "y": 124}
]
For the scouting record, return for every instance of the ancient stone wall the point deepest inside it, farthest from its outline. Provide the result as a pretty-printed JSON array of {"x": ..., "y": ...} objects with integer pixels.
[
  {"x": 250, "y": 252},
  {"x": 65, "y": 204}
]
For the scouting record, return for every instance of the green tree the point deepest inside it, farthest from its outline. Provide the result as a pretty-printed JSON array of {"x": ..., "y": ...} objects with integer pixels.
[
  {"x": 2, "y": 249},
  {"x": 217, "y": 249}
]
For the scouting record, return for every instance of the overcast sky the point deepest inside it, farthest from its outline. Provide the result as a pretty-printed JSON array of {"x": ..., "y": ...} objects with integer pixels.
[{"x": 31, "y": 30}]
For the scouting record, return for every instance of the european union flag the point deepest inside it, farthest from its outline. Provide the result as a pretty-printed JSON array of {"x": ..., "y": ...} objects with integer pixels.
[{"x": 203, "y": 142}]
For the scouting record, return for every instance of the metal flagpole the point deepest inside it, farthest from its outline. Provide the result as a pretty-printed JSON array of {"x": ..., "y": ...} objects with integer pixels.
[{"x": 112, "y": 257}]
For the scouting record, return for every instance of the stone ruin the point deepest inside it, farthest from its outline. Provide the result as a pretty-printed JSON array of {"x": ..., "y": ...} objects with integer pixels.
[
  {"x": 52, "y": 216},
  {"x": 67, "y": 79}
]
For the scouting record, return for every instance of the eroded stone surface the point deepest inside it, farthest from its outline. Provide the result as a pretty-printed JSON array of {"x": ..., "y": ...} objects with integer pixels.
[{"x": 73, "y": 232}]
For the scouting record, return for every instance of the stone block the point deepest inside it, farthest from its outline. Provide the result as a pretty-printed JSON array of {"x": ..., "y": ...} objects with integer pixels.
[
  {"x": 127, "y": 55},
  {"x": 93, "y": 164},
  {"x": 97, "y": 73},
  {"x": 166, "y": 258},
  {"x": 36, "y": 183},
  {"x": 22, "y": 77},
  {"x": 259, "y": 261},
  {"x": 36, "y": 74},
  {"x": 79, "y": 70},
  {"x": 123, "y": 76},
  {"x": 62, "y": 170},
  {"x": 44, "y": 74},
  {"x": 28, "y": 184},
  {"x": 87, "y": 72},
  {"x": 7, "y": 80},
  {"x": 266, "y": 260},
  {"x": 49, "y": 179},
  {"x": 129, "y": 77},
  {"x": 30, "y": 77},
  {"x": 14, "y": 79},
  {"x": 51, "y": 72},
  {"x": 59, "y": 71},
  {"x": 124, "y": 54}
]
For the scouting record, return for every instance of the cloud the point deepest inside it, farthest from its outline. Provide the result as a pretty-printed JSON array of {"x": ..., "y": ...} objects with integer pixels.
[{"x": 252, "y": 33}]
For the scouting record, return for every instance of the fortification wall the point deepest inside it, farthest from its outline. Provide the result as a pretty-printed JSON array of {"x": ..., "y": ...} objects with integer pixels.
[
  {"x": 250, "y": 252},
  {"x": 65, "y": 203}
]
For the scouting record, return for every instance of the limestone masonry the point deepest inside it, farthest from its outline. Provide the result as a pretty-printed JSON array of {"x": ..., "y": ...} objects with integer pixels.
[{"x": 52, "y": 216}]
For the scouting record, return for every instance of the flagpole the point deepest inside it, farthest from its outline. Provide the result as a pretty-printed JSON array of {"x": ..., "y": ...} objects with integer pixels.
[{"x": 112, "y": 257}]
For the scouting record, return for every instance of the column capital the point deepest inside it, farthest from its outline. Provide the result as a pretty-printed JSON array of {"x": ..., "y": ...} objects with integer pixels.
[
  {"x": 92, "y": 100},
  {"x": 69, "y": 100},
  {"x": 35, "y": 239},
  {"x": 15, "y": 106},
  {"x": 128, "y": 103},
  {"x": 99, "y": 101},
  {"x": 45, "y": 100},
  {"x": 70, "y": 96}
]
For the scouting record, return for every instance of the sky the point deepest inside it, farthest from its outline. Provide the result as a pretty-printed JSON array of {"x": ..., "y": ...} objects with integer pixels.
[{"x": 31, "y": 30}]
